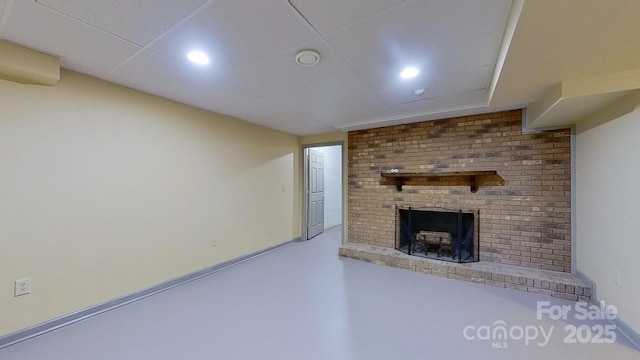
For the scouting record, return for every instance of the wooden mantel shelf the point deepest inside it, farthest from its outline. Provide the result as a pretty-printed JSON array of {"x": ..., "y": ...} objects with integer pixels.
[{"x": 400, "y": 178}]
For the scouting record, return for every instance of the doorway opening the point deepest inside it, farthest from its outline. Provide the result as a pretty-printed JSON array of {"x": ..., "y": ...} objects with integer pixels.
[{"x": 322, "y": 188}]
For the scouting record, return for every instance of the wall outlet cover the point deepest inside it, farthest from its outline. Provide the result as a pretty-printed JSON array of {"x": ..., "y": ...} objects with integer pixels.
[{"x": 22, "y": 287}]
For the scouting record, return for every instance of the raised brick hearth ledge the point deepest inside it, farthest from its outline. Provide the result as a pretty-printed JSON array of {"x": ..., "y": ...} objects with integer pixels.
[{"x": 558, "y": 284}]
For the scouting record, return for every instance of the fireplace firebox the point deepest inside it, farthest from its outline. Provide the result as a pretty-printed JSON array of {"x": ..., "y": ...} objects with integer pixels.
[{"x": 438, "y": 233}]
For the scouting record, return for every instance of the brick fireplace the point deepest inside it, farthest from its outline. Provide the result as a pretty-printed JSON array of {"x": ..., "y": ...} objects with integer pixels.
[{"x": 524, "y": 210}]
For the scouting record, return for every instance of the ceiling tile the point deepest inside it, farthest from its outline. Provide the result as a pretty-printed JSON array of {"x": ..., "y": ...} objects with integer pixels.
[
  {"x": 156, "y": 75},
  {"x": 366, "y": 115},
  {"x": 138, "y": 21},
  {"x": 4, "y": 16},
  {"x": 353, "y": 126},
  {"x": 217, "y": 96},
  {"x": 328, "y": 15},
  {"x": 456, "y": 111},
  {"x": 467, "y": 54},
  {"x": 407, "y": 33},
  {"x": 305, "y": 128},
  {"x": 264, "y": 112},
  {"x": 341, "y": 95},
  {"x": 465, "y": 81},
  {"x": 224, "y": 98},
  {"x": 443, "y": 104},
  {"x": 237, "y": 33},
  {"x": 3, "y": 4},
  {"x": 290, "y": 122},
  {"x": 82, "y": 48},
  {"x": 281, "y": 73},
  {"x": 384, "y": 79}
]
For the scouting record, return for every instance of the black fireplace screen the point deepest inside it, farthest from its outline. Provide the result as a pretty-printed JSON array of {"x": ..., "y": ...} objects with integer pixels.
[{"x": 438, "y": 233}]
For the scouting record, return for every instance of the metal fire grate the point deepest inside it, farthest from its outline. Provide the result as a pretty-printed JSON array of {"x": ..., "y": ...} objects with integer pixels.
[{"x": 438, "y": 233}]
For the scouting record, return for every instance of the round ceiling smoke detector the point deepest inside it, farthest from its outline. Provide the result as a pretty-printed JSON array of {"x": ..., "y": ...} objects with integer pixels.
[
  {"x": 419, "y": 92},
  {"x": 307, "y": 58}
]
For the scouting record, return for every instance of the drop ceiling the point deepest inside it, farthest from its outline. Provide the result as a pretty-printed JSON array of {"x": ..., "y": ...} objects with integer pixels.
[{"x": 474, "y": 56}]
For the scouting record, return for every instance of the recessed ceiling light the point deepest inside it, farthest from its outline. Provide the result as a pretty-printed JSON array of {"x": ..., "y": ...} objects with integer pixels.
[
  {"x": 409, "y": 73},
  {"x": 420, "y": 91},
  {"x": 198, "y": 57},
  {"x": 307, "y": 58}
]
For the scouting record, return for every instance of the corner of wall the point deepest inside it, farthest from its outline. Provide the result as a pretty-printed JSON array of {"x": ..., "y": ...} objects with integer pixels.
[{"x": 606, "y": 216}]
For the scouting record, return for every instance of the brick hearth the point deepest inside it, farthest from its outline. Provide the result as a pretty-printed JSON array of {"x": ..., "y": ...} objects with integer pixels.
[{"x": 552, "y": 283}]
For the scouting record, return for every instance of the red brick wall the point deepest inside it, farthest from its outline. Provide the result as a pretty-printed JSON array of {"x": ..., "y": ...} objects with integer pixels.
[{"x": 526, "y": 221}]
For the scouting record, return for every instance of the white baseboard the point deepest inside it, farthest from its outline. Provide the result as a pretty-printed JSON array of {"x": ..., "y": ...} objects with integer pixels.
[
  {"x": 68, "y": 319},
  {"x": 621, "y": 326}
]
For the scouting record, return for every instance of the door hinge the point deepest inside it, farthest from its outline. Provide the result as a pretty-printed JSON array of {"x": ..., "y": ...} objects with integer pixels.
[{"x": 308, "y": 191}]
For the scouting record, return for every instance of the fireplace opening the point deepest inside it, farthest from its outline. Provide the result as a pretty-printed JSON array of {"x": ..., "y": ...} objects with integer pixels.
[{"x": 438, "y": 233}]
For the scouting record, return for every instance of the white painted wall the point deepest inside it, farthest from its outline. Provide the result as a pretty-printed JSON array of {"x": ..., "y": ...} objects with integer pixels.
[
  {"x": 333, "y": 185},
  {"x": 608, "y": 211},
  {"x": 105, "y": 191}
]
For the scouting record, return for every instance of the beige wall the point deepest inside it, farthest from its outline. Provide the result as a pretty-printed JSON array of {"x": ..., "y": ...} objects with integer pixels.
[
  {"x": 105, "y": 191},
  {"x": 607, "y": 199}
]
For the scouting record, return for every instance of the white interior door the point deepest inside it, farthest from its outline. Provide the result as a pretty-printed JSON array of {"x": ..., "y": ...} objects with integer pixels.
[{"x": 315, "y": 193}]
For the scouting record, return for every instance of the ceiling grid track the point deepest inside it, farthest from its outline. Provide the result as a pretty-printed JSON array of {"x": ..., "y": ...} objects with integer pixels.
[
  {"x": 322, "y": 38},
  {"x": 5, "y": 17},
  {"x": 154, "y": 41}
]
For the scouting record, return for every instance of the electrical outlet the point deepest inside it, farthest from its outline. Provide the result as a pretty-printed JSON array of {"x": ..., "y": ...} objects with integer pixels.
[
  {"x": 284, "y": 188},
  {"x": 616, "y": 277},
  {"x": 22, "y": 287}
]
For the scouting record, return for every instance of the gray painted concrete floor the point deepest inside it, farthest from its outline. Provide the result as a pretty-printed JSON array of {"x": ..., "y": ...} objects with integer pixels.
[{"x": 303, "y": 302}]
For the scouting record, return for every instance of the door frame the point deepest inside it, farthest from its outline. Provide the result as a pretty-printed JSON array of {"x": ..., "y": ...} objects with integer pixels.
[{"x": 305, "y": 183}]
